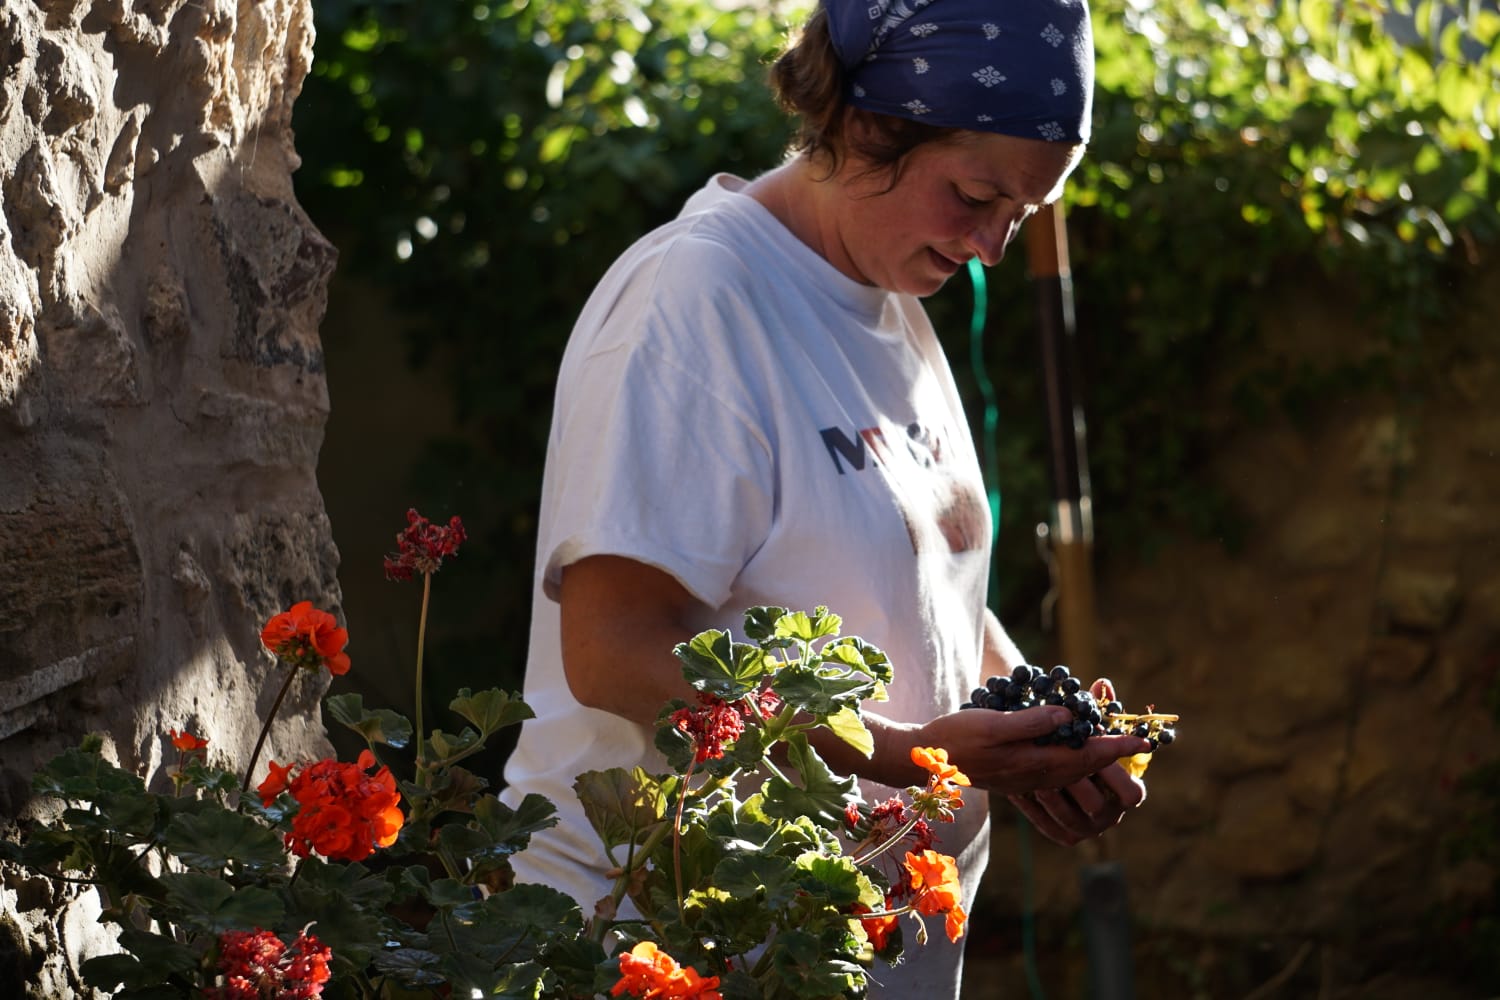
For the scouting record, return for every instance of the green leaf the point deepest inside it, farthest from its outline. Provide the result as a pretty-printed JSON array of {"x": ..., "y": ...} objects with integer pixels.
[
  {"x": 836, "y": 880},
  {"x": 446, "y": 745},
  {"x": 216, "y": 838},
  {"x": 491, "y": 710},
  {"x": 820, "y": 690},
  {"x": 806, "y": 970},
  {"x": 411, "y": 966},
  {"x": 760, "y": 626},
  {"x": 713, "y": 663},
  {"x": 809, "y": 627},
  {"x": 622, "y": 806},
  {"x": 766, "y": 877},
  {"x": 379, "y": 726},
  {"x": 497, "y": 831},
  {"x": 854, "y": 652},
  {"x": 84, "y": 776},
  {"x": 822, "y": 796},
  {"x": 109, "y": 972},
  {"x": 204, "y": 903},
  {"x": 505, "y": 929},
  {"x": 848, "y": 726}
]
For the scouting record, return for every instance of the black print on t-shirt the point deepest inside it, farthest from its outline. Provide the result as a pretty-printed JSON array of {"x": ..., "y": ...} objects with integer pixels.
[{"x": 961, "y": 511}]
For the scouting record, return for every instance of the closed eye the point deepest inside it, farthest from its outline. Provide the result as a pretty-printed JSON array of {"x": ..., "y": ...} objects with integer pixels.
[{"x": 971, "y": 200}]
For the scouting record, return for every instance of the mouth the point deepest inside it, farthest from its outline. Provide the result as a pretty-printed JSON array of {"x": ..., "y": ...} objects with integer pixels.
[{"x": 945, "y": 264}]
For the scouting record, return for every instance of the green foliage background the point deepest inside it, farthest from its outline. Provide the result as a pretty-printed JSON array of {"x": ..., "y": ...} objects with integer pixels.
[{"x": 479, "y": 164}]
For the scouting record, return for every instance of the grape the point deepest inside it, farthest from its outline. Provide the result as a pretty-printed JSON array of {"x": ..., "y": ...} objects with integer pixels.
[{"x": 1096, "y": 710}]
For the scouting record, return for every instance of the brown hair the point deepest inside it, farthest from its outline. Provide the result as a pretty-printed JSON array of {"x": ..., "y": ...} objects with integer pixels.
[{"x": 808, "y": 81}]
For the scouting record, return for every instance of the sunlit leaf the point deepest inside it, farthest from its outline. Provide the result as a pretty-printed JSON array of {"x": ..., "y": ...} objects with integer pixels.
[{"x": 380, "y": 725}]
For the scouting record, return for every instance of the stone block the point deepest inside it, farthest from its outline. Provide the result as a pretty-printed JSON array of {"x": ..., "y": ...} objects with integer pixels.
[{"x": 1417, "y": 599}]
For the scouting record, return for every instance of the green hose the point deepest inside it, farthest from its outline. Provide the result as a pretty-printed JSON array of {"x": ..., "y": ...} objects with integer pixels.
[{"x": 989, "y": 437}]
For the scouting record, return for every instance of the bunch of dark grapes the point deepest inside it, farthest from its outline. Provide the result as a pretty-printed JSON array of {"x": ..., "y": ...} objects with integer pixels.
[{"x": 1096, "y": 710}]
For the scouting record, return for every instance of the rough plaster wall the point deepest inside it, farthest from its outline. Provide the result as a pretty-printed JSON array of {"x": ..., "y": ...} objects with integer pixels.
[{"x": 162, "y": 398}]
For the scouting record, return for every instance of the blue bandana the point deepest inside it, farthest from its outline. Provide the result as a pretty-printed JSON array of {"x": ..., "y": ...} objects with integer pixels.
[{"x": 1016, "y": 67}]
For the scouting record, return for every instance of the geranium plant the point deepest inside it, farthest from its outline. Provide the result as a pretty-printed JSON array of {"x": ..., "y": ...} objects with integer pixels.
[{"x": 751, "y": 869}]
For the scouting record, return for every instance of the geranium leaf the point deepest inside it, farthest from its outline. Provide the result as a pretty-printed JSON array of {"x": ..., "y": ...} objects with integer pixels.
[
  {"x": 760, "y": 626},
  {"x": 457, "y": 789},
  {"x": 508, "y": 927},
  {"x": 806, "y": 627},
  {"x": 715, "y": 664},
  {"x": 822, "y": 796},
  {"x": 620, "y": 805},
  {"x": 750, "y": 876},
  {"x": 491, "y": 710},
  {"x": 109, "y": 972},
  {"x": 498, "y": 831},
  {"x": 411, "y": 966},
  {"x": 204, "y": 903},
  {"x": 446, "y": 745},
  {"x": 834, "y": 879},
  {"x": 856, "y": 653},
  {"x": 379, "y": 726},
  {"x": 158, "y": 953},
  {"x": 802, "y": 966},
  {"x": 215, "y": 838},
  {"x": 849, "y": 727},
  {"x": 346, "y": 903},
  {"x": 821, "y": 690},
  {"x": 84, "y": 776}
]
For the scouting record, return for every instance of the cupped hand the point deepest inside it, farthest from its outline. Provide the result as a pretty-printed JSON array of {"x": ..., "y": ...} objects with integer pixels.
[
  {"x": 998, "y": 751},
  {"x": 1083, "y": 809}
]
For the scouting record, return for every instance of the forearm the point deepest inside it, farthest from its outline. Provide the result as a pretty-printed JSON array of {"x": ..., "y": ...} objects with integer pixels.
[{"x": 1001, "y": 655}]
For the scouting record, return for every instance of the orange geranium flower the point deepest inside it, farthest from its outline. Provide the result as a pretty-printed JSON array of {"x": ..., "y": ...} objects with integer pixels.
[
  {"x": 935, "y": 762},
  {"x": 648, "y": 972},
  {"x": 344, "y": 812},
  {"x": 186, "y": 741},
  {"x": 879, "y": 929},
  {"x": 307, "y": 637},
  {"x": 935, "y": 889}
]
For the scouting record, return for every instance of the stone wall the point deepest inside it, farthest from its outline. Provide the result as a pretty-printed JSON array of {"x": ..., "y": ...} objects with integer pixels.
[
  {"x": 162, "y": 399},
  {"x": 1330, "y": 675}
]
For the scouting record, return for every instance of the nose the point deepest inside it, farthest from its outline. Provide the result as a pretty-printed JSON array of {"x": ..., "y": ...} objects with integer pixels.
[{"x": 991, "y": 236}]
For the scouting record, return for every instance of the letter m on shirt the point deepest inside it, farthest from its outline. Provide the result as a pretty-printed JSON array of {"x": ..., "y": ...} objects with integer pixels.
[{"x": 868, "y": 443}]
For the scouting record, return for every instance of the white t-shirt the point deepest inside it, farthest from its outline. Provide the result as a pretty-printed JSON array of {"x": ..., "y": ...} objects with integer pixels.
[{"x": 736, "y": 412}]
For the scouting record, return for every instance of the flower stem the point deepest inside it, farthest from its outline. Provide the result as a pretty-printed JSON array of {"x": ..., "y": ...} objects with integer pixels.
[
  {"x": 894, "y": 839},
  {"x": 421, "y": 643},
  {"x": 265, "y": 730},
  {"x": 682, "y": 794}
]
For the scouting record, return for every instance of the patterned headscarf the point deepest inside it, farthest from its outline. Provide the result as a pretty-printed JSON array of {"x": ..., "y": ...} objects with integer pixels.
[{"x": 1017, "y": 67}]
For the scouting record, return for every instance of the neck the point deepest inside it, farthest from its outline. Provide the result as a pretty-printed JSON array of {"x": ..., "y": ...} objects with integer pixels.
[{"x": 803, "y": 200}]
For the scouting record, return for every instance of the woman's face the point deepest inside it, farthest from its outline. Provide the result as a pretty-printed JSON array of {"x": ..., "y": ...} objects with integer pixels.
[{"x": 951, "y": 202}]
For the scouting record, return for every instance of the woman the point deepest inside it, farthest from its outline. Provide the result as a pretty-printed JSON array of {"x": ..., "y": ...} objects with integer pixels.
[{"x": 753, "y": 409}]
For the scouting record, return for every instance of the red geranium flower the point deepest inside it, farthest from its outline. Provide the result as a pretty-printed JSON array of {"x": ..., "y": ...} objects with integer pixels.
[
  {"x": 186, "y": 741},
  {"x": 422, "y": 546},
  {"x": 344, "y": 812},
  {"x": 278, "y": 779},
  {"x": 307, "y": 637},
  {"x": 647, "y": 971},
  {"x": 711, "y": 725},
  {"x": 257, "y": 965}
]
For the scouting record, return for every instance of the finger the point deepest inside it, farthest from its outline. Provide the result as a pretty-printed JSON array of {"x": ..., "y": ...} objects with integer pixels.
[
  {"x": 1024, "y": 724},
  {"x": 1102, "y": 751},
  {"x": 1097, "y": 801},
  {"x": 1129, "y": 791},
  {"x": 1092, "y": 798},
  {"x": 1043, "y": 821},
  {"x": 1068, "y": 814}
]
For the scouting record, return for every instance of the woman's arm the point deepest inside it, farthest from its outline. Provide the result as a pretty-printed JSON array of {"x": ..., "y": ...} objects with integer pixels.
[{"x": 622, "y": 618}]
